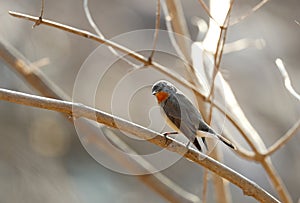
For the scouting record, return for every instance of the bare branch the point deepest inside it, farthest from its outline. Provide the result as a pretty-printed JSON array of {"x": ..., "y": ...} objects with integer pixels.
[
  {"x": 94, "y": 26},
  {"x": 206, "y": 9},
  {"x": 82, "y": 33},
  {"x": 157, "y": 26},
  {"x": 205, "y": 185},
  {"x": 79, "y": 110},
  {"x": 180, "y": 48},
  {"x": 286, "y": 78},
  {"x": 90, "y": 18},
  {"x": 219, "y": 50},
  {"x": 176, "y": 23},
  {"x": 41, "y": 15},
  {"x": 242, "y": 44},
  {"x": 276, "y": 180},
  {"x": 284, "y": 139},
  {"x": 116, "y": 46},
  {"x": 255, "y": 8}
]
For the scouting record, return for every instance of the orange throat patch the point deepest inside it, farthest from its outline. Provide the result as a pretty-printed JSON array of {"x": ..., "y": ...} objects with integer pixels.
[{"x": 161, "y": 96}]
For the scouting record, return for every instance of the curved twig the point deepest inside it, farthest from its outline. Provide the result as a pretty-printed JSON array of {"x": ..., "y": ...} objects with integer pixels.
[
  {"x": 286, "y": 78},
  {"x": 99, "y": 33},
  {"x": 255, "y": 8},
  {"x": 157, "y": 26},
  {"x": 284, "y": 139}
]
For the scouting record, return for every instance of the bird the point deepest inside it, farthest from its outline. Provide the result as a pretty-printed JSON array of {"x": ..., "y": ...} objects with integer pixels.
[{"x": 182, "y": 116}]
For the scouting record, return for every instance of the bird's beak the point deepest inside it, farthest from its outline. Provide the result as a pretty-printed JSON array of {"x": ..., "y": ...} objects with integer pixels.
[{"x": 154, "y": 92}]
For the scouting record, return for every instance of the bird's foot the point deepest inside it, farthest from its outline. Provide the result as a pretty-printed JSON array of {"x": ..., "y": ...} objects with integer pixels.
[
  {"x": 169, "y": 133},
  {"x": 187, "y": 145}
]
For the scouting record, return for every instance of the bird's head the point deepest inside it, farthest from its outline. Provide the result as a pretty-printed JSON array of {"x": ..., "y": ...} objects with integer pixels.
[{"x": 162, "y": 90}]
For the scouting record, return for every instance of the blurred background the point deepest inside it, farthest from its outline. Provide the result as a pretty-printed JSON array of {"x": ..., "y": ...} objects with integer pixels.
[{"x": 41, "y": 156}]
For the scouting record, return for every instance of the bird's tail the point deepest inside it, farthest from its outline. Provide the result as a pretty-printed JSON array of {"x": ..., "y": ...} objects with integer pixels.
[
  {"x": 225, "y": 141},
  {"x": 197, "y": 145},
  {"x": 220, "y": 137}
]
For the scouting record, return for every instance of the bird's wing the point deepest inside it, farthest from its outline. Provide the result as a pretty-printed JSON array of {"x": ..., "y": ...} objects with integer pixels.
[
  {"x": 179, "y": 110},
  {"x": 194, "y": 117},
  {"x": 171, "y": 108},
  {"x": 192, "y": 113}
]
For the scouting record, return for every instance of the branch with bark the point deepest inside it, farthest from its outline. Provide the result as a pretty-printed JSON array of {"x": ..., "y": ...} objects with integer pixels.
[{"x": 77, "y": 110}]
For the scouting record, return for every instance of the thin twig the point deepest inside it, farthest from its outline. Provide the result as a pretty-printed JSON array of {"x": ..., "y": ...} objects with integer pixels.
[
  {"x": 107, "y": 42},
  {"x": 157, "y": 26},
  {"x": 284, "y": 139},
  {"x": 41, "y": 15},
  {"x": 81, "y": 111},
  {"x": 205, "y": 185},
  {"x": 206, "y": 9},
  {"x": 168, "y": 19},
  {"x": 276, "y": 180},
  {"x": 286, "y": 78},
  {"x": 215, "y": 71},
  {"x": 219, "y": 50},
  {"x": 176, "y": 23},
  {"x": 242, "y": 44},
  {"x": 90, "y": 18},
  {"x": 99, "y": 33},
  {"x": 255, "y": 8},
  {"x": 217, "y": 58}
]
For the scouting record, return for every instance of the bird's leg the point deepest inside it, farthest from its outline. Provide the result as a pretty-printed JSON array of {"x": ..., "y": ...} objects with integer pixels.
[
  {"x": 169, "y": 133},
  {"x": 187, "y": 145}
]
